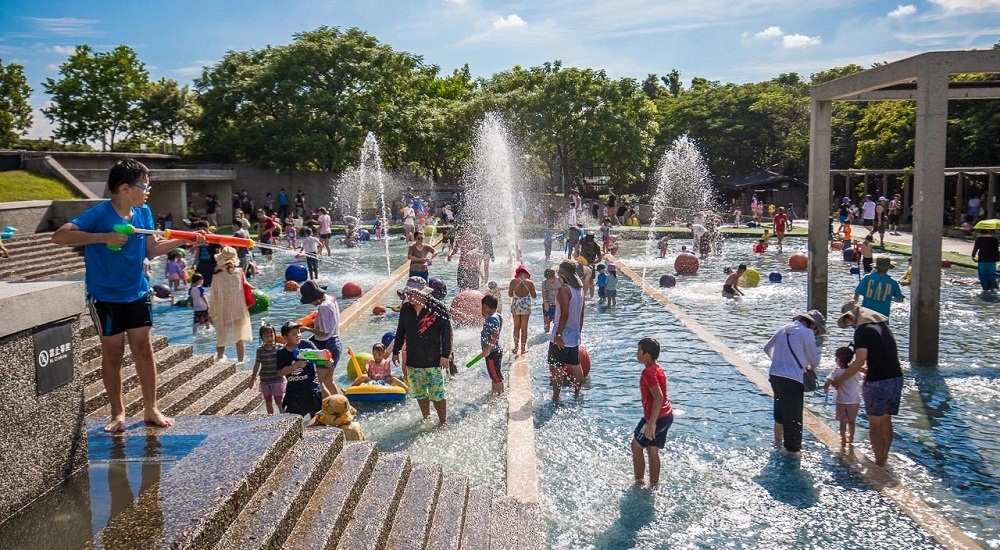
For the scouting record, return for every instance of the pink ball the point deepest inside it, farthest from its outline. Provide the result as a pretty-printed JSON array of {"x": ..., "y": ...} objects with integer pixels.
[
  {"x": 798, "y": 262},
  {"x": 686, "y": 264},
  {"x": 351, "y": 290},
  {"x": 467, "y": 308}
]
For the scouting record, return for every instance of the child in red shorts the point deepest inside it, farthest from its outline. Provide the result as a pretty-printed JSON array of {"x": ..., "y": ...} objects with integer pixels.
[{"x": 657, "y": 413}]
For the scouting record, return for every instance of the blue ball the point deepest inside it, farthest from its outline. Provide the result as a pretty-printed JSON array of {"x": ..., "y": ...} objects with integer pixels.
[
  {"x": 297, "y": 273},
  {"x": 855, "y": 271},
  {"x": 850, "y": 255},
  {"x": 387, "y": 338},
  {"x": 363, "y": 235},
  {"x": 668, "y": 281},
  {"x": 774, "y": 277},
  {"x": 751, "y": 225}
]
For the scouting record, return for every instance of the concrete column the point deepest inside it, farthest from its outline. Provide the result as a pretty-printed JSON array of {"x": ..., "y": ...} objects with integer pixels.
[
  {"x": 960, "y": 205},
  {"x": 991, "y": 195},
  {"x": 928, "y": 203},
  {"x": 867, "y": 188},
  {"x": 907, "y": 194},
  {"x": 819, "y": 203},
  {"x": 179, "y": 220},
  {"x": 885, "y": 186}
]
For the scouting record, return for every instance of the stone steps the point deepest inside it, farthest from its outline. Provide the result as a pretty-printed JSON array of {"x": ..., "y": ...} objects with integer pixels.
[
  {"x": 89, "y": 353},
  {"x": 34, "y": 256},
  {"x": 166, "y": 381},
  {"x": 371, "y": 518},
  {"x": 220, "y": 395},
  {"x": 446, "y": 523},
  {"x": 94, "y": 394},
  {"x": 197, "y": 386},
  {"x": 245, "y": 403},
  {"x": 411, "y": 526}
]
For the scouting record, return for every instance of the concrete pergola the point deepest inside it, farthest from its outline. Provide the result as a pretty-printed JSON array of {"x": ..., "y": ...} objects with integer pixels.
[{"x": 925, "y": 79}]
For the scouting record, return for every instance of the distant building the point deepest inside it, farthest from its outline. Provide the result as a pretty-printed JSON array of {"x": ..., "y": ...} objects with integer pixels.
[{"x": 769, "y": 187}]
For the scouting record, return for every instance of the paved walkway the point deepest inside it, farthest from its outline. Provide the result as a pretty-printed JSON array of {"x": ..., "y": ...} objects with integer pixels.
[{"x": 948, "y": 244}]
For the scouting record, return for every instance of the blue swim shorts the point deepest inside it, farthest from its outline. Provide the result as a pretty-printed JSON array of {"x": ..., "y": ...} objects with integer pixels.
[
  {"x": 659, "y": 437},
  {"x": 882, "y": 396}
]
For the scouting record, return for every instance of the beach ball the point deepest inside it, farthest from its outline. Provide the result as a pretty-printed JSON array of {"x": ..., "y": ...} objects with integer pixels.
[
  {"x": 161, "y": 291},
  {"x": 387, "y": 339},
  {"x": 686, "y": 264},
  {"x": 364, "y": 236},
  {"x": 357, "y": 363},
  {"x": 750, "y": 278},
  {"x": 798, "y": 261},
  {"x": 774, "y": 277},
  {"x": 668, "y": 281},
  {"x": 261, "y": 301},
  {"x": 836, "y": 245},
  {"x": 751, "y": 225},
  {"x": 351, "y": 290},
  {"x": 291, "y": 286},
  {"x": 850, "y": 255},
  {"x": 467, "y": 308},
  {"x": 439, "y": 286},
  {"x": 855, "y": 270},
  {"x": 378, "y": 310},
  {"x": 297, "y": 273}
]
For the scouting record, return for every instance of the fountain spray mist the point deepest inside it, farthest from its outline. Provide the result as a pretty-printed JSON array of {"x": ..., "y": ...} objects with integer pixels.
[{"x": 683, "y": 187}]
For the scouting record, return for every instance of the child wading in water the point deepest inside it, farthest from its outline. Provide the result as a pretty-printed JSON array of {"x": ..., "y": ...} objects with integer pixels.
[
  {"x": 657, "y": 413},
  {"x": 847, "y": 397},
  {"x": 489, "y": 339},
  {"x": 549, "y": 288},
  {"x": 612, "y": 285},
  {"x": 198, "y": 302},
  {"x": 378, "y": 369},
  {"x": 272, "y": 386}
]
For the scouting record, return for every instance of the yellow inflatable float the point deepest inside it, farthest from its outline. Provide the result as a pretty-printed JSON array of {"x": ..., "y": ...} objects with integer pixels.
[
  {"x": 357, "y": 363},
  {"x": 369, "y": 392}
]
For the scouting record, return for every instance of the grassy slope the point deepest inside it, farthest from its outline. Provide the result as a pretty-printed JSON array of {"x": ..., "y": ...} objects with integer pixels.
[{"x": 18, "y": 185}]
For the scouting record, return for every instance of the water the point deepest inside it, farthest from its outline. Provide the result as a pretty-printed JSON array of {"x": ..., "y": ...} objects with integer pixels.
[
  {"x": 361, "y": 192},
  {"x": 492, "y": 188}
]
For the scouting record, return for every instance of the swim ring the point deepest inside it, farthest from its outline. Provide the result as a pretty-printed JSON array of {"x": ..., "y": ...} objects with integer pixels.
[{"x": 375, "y": 392}]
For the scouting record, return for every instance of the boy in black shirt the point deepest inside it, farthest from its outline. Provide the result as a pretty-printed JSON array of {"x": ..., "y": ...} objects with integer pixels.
[{"x": 303, "y": 392}]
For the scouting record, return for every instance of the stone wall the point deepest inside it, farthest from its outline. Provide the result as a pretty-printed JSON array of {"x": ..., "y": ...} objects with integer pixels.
[
  {"x": 38, "y": 216},
  {"x": 42, "y": 437}
]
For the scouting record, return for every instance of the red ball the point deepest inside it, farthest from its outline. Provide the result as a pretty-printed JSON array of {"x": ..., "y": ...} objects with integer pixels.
[
  {"x": 378, "y": 310},
  {"x": 798, "y": 262},
  {"x": 686, "y": 264},
  {"x": 467, "y": 308},
  {"x": 584, "y": 364},
  {"x": 945, "y": 264},
  {"x": 836, "y": 245},
  {"x": 291, "y": 286},
  {"x": 351, "y": 290}
]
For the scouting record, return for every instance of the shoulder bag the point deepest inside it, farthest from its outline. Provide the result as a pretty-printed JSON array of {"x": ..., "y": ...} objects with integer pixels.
[{"x": 808, "y": 373}]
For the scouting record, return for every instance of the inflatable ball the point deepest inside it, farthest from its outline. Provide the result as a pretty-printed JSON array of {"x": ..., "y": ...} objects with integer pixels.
[
  {"x": 686, "y": 264},
  {"x": 378, "y": 310},
  {"x": 850, "y": 255},
  {"x": 297, "y": 273},
  {"x": 291, "y": 286},
  {"x": 467, "y": 308},
  {"x": 584, "y": 365},
  {"x": 351, "y": 290},
  {"x": 364, "y": 236},
  {"x": 750, "y": 278},
  {"x": 798, "y": 262},
  {"x": 162, "y": 291},
  {"x": 668, "y": 281},
  {"x": 945, "y": 264},
  {"x": 836, "y": 245},
  {"x": 387, "y": 339},
  {"x": 430, "y": 231},
  {"x": 774, "y": 277},
  {"x": 261, "y": 302}
]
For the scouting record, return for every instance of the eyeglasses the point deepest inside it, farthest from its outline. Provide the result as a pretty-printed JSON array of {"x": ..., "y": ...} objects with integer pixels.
[{"x": 144, "y": 188}]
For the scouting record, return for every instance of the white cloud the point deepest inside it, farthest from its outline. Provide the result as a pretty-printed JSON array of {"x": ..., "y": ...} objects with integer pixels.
[
  {"x": 64, "y": 50},
  {"x": 52, "y": 67},
  {"x": 509, "y": 22},
  {"x": 967, "y": 6},
  {"x": 770, "y": 32},
  {"x": 798, "y": 41},
  {"x": 459, "y": 2},
  {"x": 66, "y": 26},
  {"x": 902, "y": 11}
]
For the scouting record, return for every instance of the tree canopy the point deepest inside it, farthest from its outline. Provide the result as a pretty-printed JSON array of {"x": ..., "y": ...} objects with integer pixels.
[{"x": 15, "y": 112}]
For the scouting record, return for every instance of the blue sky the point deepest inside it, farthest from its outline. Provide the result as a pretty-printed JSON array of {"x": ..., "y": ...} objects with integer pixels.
[{"x": 724, "y": 40}]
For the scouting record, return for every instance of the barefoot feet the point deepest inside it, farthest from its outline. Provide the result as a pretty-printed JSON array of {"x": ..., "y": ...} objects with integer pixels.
[{"x": 154, "y": 416}]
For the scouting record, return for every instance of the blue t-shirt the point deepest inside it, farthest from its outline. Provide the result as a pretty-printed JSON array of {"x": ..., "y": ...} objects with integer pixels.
[
  {"x": 300, "y": 383},
  {"x": 602, "y": 279},
  {"x": 282, "y": 199},
  {"x": 491, "y": 323},
  {"x": 878, "y": 290},
  {"x": 115, "y": 276}
]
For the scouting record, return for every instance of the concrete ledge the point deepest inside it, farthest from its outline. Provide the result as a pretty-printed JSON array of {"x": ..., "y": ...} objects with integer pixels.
[
  {"x": 522, "y": 460},
  {"x": 27, "y": 305}
]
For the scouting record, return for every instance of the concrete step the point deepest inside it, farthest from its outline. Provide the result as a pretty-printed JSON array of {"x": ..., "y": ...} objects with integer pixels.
[
  {"x": 166, "y": 381},
  {"x": 505, "y": 519},
  {"x": 90, "y": 355},
  {"x": 478, "y": 517},
  {"x": 52, "y": 272},
  {"x": 267, "y": 519},
  {"x": 23, "y": 240},
  {"x": 200, "y": 384},
  {"x": 95, "y": 396},
  {"x": 331, "y": 506},
  {"x": 530, "y": 527},
  {"x": 87, "y": 327},
  {"x": 375, "y": 511},
  {"x": 449, "y": 512},
  {"x": 245, "y": 403},
  {"x": 220, "y": 395},
  {"x": 412, "y": 522},
  {"x": 42, "y": 256}
]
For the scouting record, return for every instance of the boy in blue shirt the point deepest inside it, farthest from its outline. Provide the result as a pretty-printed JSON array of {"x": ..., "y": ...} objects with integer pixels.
[
  {"x": 118, "y": 294},
  {"x": 602, "y": 282},
  {"x": 489, "y": 338},
  {"x": 879, "y": 289}
]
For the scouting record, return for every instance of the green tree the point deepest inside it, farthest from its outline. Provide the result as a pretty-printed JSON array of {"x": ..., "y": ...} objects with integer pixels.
[
  {"x": 309, "y": 104},
  {"x": 15, "y": 112},
  {"x": 166, "y": 110},
  {"x": 844, "y": 119},
  {"x": 97, "y": 96},
  {"x": 886, "y": 135}
]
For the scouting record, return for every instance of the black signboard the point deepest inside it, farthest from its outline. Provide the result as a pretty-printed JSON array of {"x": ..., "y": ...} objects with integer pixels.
[{"x": 53, "y": 355}]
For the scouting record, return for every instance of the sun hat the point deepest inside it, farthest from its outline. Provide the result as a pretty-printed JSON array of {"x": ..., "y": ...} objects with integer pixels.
[
  {"x": 813, "y": 317},
  {"x": 439, "y": 286},
  {"x": 227, "y": 256},
  {"x": 883, "y": 262},
  {"x": 612, "y": 268},
  {"x": 311, "y": 292},
  {"x": 415, "y": 284},
  {"x": 568, "y": 270},
  {"x": 854, "y": 315},
  {"x": 288, "y": 327},
  {"x": 521, "y": 269}
]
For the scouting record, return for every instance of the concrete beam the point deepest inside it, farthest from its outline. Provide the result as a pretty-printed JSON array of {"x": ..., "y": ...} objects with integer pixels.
[
  {"x": 908, "y": 94},
  {"x": 184, "y": 174},
  {"x": 819, "y": 203},
  {"x": 928, "y": 204},
  {"x": 19, "y": 304}
]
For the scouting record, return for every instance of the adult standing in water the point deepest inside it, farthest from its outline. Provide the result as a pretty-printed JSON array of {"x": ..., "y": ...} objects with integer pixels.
[
  {"x": 419, "y": 255},
  {"x": 426, "y": 331},
  {"x": 792, "y": 350},
  {"x": 521, "y": 291},
  {"x": 875, "y": 347},
  {"x": 325, "y": 233},
  {"x": 986, "y": 253},
  {"x": 470, "y": 246},
  {"x": 564, "y": 339},
  {"x": 118, "y": 295}
]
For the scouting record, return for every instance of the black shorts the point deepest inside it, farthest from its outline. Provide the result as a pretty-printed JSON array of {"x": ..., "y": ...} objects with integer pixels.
[
  {"x": 659, "y": 436},
  {"x": 111, "y": 318},
  {"x": 201, "y": 316},
  {"x": 866, "y": 263},
  {"x": 788, "y": 398},
  {"x": 893, "y": 219},
  {"x": 728, "y": 289},
  {"x": 869, "y": 223},
  {"x": 493, "y": 366},
  {"x": 302, "y": 404},
  {"x": 566, "y": 356},
  {"x": 468, "y": 278}
]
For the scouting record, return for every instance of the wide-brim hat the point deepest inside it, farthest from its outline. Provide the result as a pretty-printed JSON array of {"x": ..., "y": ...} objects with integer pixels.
[
  {"x": 884, "y": 262},
  {"x": 227, "y": 256},
  {"x": 311, "y": 292},
  {"x": 857, "y": 315},
  {"x": 568, "y": 270},
  {"x": 813, "y": 317},
  {"x": 415, "y": 284}
]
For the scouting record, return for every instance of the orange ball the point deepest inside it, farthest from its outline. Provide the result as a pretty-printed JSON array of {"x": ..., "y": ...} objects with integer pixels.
[
  {"x": 836, "y": 245},
  {"x": 686, "y": 264},
  {"x": 351, "y": 290},
  {"x": 798, "y": 262},
  {"x": 378, "y": 310},
  {"x": 291, "y": 286},
  {"x": 467, "y": 308}
]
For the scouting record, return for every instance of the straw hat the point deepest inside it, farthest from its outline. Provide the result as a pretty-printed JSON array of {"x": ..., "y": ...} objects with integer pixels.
[
  {"x": 227, "y": 256},
  {"x": 568, "y": 270}
]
